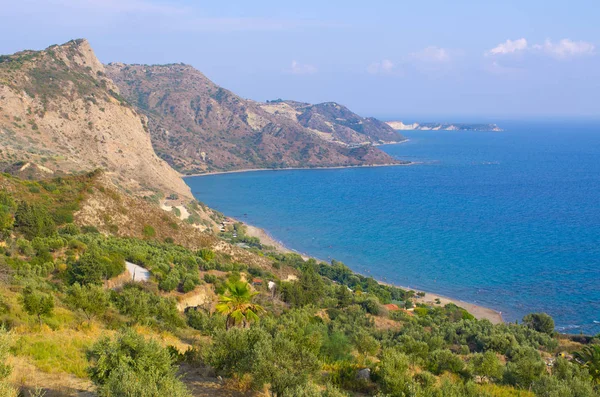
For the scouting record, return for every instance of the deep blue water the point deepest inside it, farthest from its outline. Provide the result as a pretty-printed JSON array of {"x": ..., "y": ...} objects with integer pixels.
[{"x": 507, "y": 220}]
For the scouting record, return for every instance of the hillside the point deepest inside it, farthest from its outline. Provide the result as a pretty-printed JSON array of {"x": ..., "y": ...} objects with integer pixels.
[
  {"x": 197, "y": 126},
  {"x": 75, "y": 324},
  {"x": 59, "y": 113}
]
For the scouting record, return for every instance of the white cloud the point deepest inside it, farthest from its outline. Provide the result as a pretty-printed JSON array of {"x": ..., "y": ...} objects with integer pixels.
[
  {"x": 302, "y": 68},
  {"x": 431, "y": 54},
  {"x": 508, "y": 47},
  {"x": 563, "y": 49},
  {"x": 381, "y": 67},
  {"x": 566, "y": 48}
]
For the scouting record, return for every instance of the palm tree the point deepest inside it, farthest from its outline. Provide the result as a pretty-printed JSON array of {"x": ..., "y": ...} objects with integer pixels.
[
  {"x": 236, "y": 304},
  {"x": 589, "y": 357}
]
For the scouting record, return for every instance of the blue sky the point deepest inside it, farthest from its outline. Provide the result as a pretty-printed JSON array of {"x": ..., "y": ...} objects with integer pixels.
[{"x": 413, "y": 60}]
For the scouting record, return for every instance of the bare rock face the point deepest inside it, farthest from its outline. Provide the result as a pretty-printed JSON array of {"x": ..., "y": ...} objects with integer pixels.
[
  {"x": 60, "y": 112},
  {"x": 198, "y": 126}
]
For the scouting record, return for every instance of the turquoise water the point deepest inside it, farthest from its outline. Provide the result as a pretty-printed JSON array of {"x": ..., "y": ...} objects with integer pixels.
[{"x": 507, "y": 220}]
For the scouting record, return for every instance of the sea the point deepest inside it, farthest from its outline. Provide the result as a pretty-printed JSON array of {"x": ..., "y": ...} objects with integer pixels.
[{"x": 508, "y": 220}]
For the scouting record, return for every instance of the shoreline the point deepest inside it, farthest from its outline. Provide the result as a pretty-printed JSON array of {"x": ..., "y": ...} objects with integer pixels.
[
  {"x": 479, "y": 312},
  {"x": 300, "y": 168}
]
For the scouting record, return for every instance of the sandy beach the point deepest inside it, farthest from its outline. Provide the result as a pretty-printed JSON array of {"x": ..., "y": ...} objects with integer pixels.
[
  {"x": 479, "y": 312},
  {"x": 299, "y": 168}
]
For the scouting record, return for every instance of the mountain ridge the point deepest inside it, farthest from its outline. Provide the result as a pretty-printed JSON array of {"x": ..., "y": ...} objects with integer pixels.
[{"x": 198, "y": 126}]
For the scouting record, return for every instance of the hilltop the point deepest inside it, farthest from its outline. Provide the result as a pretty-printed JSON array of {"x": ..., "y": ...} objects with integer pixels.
[
  {"x": 197, "y": 126},
  {"x": 60, "y": 113}
]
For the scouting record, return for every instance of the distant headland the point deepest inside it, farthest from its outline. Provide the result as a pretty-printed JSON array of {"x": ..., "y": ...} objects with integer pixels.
[{"x": 399, "y": 125}]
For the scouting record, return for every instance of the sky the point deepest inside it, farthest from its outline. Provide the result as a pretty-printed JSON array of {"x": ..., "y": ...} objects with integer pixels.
[{"x": 410, "y": 60}]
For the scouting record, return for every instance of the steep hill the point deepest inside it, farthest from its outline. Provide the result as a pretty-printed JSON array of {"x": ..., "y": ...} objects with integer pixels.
[
  {"x": 59, "y": 113},
  {"x": 198, "y": 126}
]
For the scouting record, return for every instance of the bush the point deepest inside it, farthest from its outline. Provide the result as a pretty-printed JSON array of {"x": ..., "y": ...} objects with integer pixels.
[
  {"x": 487, "y": 365},
  {"x": 37, "y": 303},
  {"x": 188, "y": 285},
  {"x": 206, "y": 254},
  {"x": 371, "y": 306},
  {"x": 91, "y": 300},
  {"x": 210, "y": 278},
  {"x": 444, "y": 360},
  {"x": 540, "y": 322},
  {"x": 93, "y": 267},
  {"x": 393, "y": 373},
  {"x": 131, "y": 366},
  {"x": 89, "y": 229},
  {"x": 33, "y": 220},
  {"x": 148, "y": 231},
  {"x": 169, "y": 283},
  {"x": 525, "y": 367},
  {"x": 145, "y": 307},
  {"x": 204, "y": 322}
]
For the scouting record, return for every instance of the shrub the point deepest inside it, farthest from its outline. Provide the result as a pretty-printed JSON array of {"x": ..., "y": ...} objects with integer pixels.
[
  {"x": 487, "y": 365},
  {"x": 90, "y": 299},
  {"x": 393, "y": 373},
  {"x": 540, "y": 322},
  {"x": 89, "y": 229},
  {"x": 444, "y": 360},
  {"x": 210, "y": 278},
  {"x": 33, "y": 220},
  {"x": 148, "y": 231},
  {"x": 37, "y": 303},
  {"x": 204, "y": 322},
  {"x": 371, "y": 306},
  {"x": 525, "y": 367},
  {"x": 169, "y": 283},
  {"x": 145, "y": 306},
  {"x": 93, "y": 267},
  {"x": 206, "y": 254},
  {"x": 131, "y": 366},
  {"x": 188, "y": 285}
]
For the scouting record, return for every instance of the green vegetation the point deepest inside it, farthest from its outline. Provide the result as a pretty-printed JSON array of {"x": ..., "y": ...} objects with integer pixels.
[
  {"x": 236, "y": 304},
  {"x": 540, "y": 322},
  {"x": 90, "y": 299},
  {"x": 589, "y": 357},
  {"x": 37, "y": 304},
  {"x": 131, "y": 366},
  {"x": 5, "y": 370},
  {"x": 324, "y": 332}
]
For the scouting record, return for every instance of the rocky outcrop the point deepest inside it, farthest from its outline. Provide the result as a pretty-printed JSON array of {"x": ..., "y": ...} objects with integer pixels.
[
  {"x": 198, "y": 126},
  {"x": 60, "y": 113}
]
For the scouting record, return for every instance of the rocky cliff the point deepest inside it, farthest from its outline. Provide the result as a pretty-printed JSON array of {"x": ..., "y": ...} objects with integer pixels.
[
  {"x": 60, "y": 113},
  {"x": 198, "y": 126}
]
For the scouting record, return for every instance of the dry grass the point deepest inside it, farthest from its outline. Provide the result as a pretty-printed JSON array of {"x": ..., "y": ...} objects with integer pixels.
[{"x": 53, "y": 352}]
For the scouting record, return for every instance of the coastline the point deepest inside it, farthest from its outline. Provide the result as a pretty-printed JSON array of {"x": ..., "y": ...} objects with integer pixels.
[
  {"x": 479, "y": 312},
  {"x": 300, "y": 168}
]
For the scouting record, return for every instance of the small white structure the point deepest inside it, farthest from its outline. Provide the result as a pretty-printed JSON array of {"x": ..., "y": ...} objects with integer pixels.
[{"x": 138, "y": 273}]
